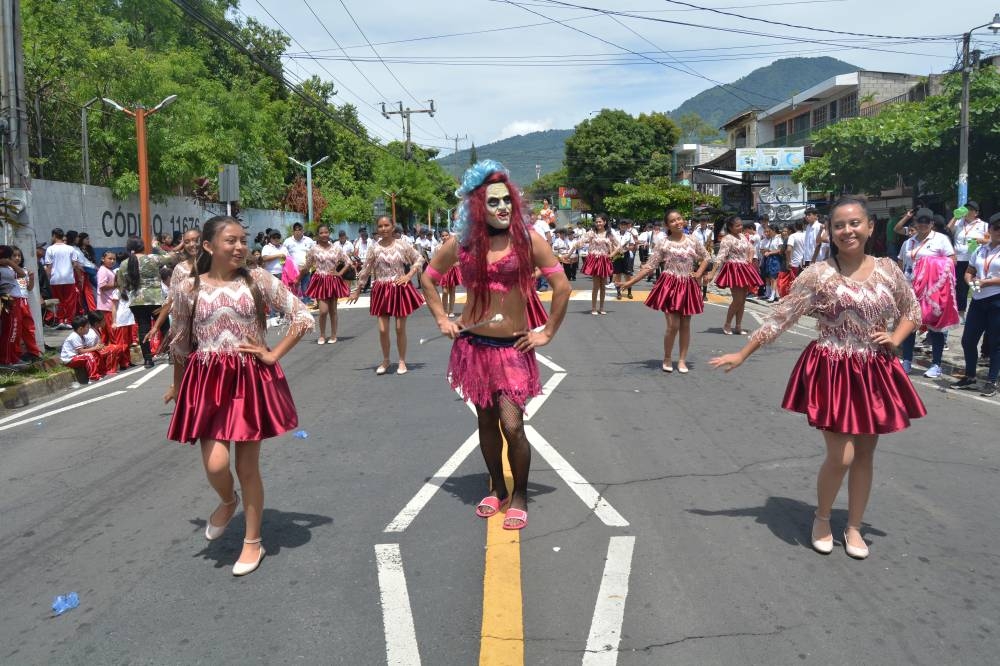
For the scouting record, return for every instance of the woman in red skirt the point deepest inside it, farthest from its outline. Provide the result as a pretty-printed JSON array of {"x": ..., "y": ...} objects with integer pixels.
[
  {"x": 451, "y": 279},
  {"x": 601, "y": 245},
  {"x": 848, "y": 382},
  {"x": 734, "y": 270},
  {"x": 677, "y": 293},
  {"x": 327, "y": 283},
  {"x": 17, "y": 326},
  {"x": 392, "y": 293},
  {"x": 231, "y": 388}
]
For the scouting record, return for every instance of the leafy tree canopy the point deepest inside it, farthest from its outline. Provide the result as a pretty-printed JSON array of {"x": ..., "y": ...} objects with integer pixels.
[
  {"x": 650, "y": 201},
  {"x": 916, "y": 141}
]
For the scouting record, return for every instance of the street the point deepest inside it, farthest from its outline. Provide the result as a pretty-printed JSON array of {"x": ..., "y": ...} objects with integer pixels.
[{"x": 669, "y": 519}]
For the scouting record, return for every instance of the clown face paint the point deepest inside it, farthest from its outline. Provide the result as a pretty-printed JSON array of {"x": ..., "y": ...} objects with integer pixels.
[{"x": 497, "y": 206}]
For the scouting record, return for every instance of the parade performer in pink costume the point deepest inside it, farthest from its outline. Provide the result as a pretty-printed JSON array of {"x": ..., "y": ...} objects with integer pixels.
[
  {"x": 601, "y": 244},
  {"x": 848, "y": 382},
  {"x": 392, "y": 293},
  {"x": 227, "y": 382},
  {"x": 677, "y": 293},
  {"x": 327, "y": 283},
  {"x": 735, "y": 271},
  {"x": 494, "y": 365}
]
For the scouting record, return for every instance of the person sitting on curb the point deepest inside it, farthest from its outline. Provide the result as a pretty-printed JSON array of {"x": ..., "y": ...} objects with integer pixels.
[{"x": 83, "y": 349}]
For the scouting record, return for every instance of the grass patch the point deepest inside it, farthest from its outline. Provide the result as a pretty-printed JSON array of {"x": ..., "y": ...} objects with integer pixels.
[{"x": 13, "y": 378}]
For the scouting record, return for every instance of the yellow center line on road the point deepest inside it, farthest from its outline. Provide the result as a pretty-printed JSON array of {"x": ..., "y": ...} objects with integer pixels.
[{"x": 502, "y": 633}]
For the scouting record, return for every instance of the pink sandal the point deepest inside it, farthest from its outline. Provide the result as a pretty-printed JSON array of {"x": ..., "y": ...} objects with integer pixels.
[
  {"x": 515, "y": 514},
  {"x": 489, "y": 502}
]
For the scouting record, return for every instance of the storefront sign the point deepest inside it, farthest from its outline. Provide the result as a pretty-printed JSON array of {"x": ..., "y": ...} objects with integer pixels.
[{"x": 769, "y": 159}]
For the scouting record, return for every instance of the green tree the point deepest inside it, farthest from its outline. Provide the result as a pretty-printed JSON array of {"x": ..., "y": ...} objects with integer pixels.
[
  {"x": 917, "y": 142},
  {"x": 649, "y": 201},
  {"x": 694, "y": 129},
  {"x": 548, "y": 185},
  {"x": 473, "y": 156}
]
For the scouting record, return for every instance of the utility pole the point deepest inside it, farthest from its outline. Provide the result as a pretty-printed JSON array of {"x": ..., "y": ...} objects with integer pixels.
[
  {"x": 456, "y": 139},
  {"x": 308, "y": 166},
  {"x": 405, "y": 114},
  {"x": 15, "y": 186}
]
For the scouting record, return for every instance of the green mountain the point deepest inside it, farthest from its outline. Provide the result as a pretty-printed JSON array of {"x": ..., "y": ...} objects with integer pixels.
[
  {"x": 763, "y": 88},
  {"x": 519, "y": 154}
]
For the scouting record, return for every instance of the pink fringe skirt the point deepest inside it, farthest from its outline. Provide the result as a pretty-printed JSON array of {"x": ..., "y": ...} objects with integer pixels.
[
  {"x": 483, "y": 368},
  {"x": 739, "y": 274},
  {"x": 598, "y": 265},
  {"x": 452, "y": 277},
  {"x": 391, "y": 300},
  {"x": 324, "y": 286},
  {"x": 676, "y": 294},
  {"x": 231, "y": 397}
]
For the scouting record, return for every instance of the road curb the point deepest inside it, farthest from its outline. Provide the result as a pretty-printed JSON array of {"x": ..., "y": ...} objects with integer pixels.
[{"x": 22, "y": 395}]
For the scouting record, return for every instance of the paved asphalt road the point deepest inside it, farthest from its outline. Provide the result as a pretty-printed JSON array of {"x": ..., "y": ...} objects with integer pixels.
[{"x": 706, "y": 486}]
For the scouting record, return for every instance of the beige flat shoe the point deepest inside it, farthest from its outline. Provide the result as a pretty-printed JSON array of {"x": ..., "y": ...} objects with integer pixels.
[{"x": 244, "y": 568}]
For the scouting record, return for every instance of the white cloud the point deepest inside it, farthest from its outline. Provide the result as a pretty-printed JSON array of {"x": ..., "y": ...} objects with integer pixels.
[{"x": 519, "y": 127}]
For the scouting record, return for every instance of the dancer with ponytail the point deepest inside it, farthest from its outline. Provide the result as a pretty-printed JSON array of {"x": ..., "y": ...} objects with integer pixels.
[
  {"x": 493, "y": 364},
  {"x": 734, "y": 270},
  {"x": 393, "y": 296},
  {"x": 848, "y": 382},
  {"x": 327, "y": 283},
  {"x": 227, "y": 382},
  {"x": 677, "y": 293},
  {"x": 601, "y": 245}
]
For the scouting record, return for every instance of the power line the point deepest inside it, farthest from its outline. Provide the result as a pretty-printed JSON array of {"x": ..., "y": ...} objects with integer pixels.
[
  {"x": 387, "y": 68},
  {"x": 327, "y": 30}
]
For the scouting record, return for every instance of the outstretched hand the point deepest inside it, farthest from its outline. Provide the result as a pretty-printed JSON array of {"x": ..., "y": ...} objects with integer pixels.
[
  {"x": 729, "y": 362},
  {"x": 353, "y": 298}
]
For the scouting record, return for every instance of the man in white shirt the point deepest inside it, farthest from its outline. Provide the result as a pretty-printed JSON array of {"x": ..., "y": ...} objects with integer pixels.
[
  {"x": 272, "y": 255},
  {"x": 542, "y": 228},
  {"x": 361, "y": 246},
  {"x": 627, "y": 241},
  {"x": 644, "y": 244},
  {"x": 795, "y": 250},
  {"x": 62, "y": 261},
  {"x": 812, "y": 228},
  {"x": 297, "y": 246},
  {"x": 968, "y": 232}
]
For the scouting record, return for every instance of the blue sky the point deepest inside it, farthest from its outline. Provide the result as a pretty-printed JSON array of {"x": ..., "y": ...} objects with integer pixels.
[{"x": 483, "y": 89}]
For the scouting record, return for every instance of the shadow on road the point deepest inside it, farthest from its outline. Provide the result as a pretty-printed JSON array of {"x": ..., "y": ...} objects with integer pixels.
[
  {"x": 281, "y": 529},
  {"x": 789, "y": 519},
  {"x": 473, "y": 487}
]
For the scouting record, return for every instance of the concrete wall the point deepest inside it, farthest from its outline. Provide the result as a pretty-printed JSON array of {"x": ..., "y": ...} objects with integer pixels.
[
  {"x": 884, "y": 85},
  {"x": 91, "y": 209}
]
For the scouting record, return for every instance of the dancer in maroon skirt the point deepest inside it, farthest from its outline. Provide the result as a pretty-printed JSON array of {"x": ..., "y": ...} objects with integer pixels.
[
  {"x": 392, "y": 293},
  {"x": 601, "y": 245},
  {"x": 848, "y": 382},
  {"x": 227, "y": 382},
  {"x": 327, "y": 284},
  {"x": 677, "y": 293},
  {"x": 734, "y": 270},
  {"x": 451, "y": 279},
  {"x": 493, "y": 364}
]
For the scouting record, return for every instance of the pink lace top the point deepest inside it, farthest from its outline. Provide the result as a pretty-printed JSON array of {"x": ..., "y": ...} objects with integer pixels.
[
  {"x": 679, "y": 258},
  {"x": 735, "y": 248},
  {"x": 326, "y": 259},
  {"x": 598, "y": 244},
  {"x": 388, "y": 263},
  {"x": 503, "y": 273},
  {"x": 847, "y": 311},
  {"x": 182, "y": 271},
  {"x": 226, "y": 316}
]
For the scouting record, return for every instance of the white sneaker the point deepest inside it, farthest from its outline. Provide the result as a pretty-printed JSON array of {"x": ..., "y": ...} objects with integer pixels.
[
  {"x": 907, "y": 366},
  {"x": 933, "y": 372}
]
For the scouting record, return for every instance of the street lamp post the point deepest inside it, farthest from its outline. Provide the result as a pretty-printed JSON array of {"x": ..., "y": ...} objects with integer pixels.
[
  {"x": 963, "y": 145},
  {"x": 308, "y": 166},
  {"x": 140, "y": 113},
  {"x": 84, "y": 138}
]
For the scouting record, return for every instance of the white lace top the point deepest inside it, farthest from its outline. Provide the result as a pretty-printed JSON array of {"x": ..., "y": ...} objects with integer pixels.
[
  {"x": 847, "y": 311},
  {"x": 598, "y": 244},
  {"x": 735, "y": 248},
  {"x": 679, "y": 258},
  {"x": 387, "y": 263},
  {"x": 326, "y": 259},
  {"x": 226, "y": 315}
]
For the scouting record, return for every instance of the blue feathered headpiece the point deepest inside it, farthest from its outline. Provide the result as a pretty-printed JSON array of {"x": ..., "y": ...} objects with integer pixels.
[{"x": 474, "y": 176}]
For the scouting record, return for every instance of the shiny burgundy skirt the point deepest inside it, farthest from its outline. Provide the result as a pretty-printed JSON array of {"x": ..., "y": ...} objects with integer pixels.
[
  {"x": 857, "y": 395},
  {"x": 483, "y": 368},
  {"x": 739, "y": 274},
  {"x": 676, "y": 294},
  {"x": 391, "y": 300},
  {"x": 536, "y": 314},
  {"x": 598, "y": 265},
  {"x": 451, "y": 278},
  {"x": 231, "y": 397},
  {"x": 326, "y": 286}
]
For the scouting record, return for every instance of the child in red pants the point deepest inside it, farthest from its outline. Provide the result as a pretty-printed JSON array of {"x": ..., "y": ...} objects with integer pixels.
[{"x": 83, "y": 349}]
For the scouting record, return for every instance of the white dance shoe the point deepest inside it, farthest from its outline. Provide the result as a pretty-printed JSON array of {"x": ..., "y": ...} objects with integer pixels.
[
  {"x": 244, "y": 568},
  {"x": 213, "y": 532}
]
